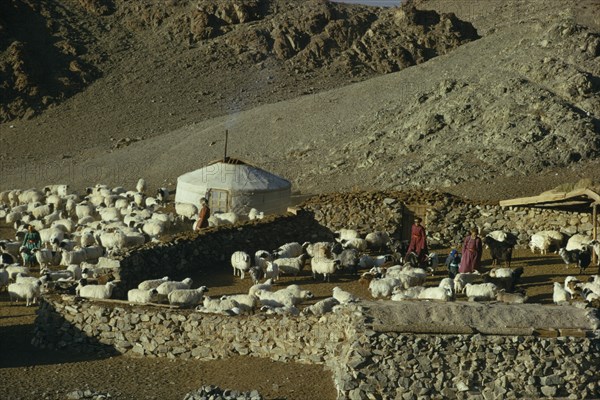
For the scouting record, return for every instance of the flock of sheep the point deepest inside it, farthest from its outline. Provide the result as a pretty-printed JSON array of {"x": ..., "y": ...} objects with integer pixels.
[{"x": 81, "y": 233}]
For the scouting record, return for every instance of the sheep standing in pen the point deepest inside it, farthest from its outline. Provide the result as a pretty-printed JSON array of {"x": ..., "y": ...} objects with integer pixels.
[
  {"x": 581, "y": 257},
  {"x": 272, "y": 271},
  {"x": 240, "y": 261},
  {"x": 28, "y": 291},
  {"x": 442, "y": 292},
  {"x": 461, "y": 280},
  {"x": 291, "y": 266},
  {"x": 187, "y": 297},
  {"x": 545, "y": 240},
  {"x": 324, "y": 266}
]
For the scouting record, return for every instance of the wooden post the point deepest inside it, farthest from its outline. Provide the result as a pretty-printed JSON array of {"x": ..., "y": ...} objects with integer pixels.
[{"x": 595, "y": 233}]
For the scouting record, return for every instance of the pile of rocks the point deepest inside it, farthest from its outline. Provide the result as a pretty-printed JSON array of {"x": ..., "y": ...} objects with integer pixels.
[{"x": 210, "y": 392}]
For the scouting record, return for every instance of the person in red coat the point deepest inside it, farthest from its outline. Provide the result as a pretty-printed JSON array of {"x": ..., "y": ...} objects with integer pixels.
[
  {"x": 203, "y": 215},
  {"x": 418, "y": 241},
  {"x": 471, "y": 253}
]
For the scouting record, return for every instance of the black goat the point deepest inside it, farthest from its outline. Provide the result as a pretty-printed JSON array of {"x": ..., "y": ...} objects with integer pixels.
[
  {"x": 583, "y": 257},
  {"x": 499, "y": 250}
]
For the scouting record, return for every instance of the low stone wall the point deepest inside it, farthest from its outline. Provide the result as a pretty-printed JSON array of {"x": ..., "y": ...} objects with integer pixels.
[
  {"x": 182, "y": 254},
  {"x": 366, "y": 361},
  {"x": 449, "y": 218}
]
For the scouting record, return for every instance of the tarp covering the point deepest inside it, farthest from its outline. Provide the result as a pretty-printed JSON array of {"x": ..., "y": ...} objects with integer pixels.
[{"x": 235, "y": 186}]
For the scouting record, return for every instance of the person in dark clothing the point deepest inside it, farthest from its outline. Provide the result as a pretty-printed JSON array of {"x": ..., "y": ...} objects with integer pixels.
[
  {"x": 452, "y": 263},
  {"x": 203, "y": 215},
  {"x": 31, "y": 241}
]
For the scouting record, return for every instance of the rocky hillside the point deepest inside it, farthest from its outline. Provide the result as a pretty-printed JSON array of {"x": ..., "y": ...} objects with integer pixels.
[
  {"x": 497, "y": 93},
  {"x": 47, "y": 55}
]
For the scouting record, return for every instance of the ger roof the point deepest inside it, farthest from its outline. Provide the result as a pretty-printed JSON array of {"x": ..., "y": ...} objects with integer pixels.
[{"x": 234, "y": 174}]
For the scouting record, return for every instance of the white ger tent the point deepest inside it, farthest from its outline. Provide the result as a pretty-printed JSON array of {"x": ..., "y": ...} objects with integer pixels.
[{"x": 233, "y": 185}]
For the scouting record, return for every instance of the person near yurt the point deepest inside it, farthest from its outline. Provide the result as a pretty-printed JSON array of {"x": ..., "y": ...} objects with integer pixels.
[{"x": 203, "y": 215}]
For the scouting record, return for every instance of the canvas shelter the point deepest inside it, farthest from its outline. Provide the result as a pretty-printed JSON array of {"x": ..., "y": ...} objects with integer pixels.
[
  {"x": 582, "y": 200},
  {"x": 232, "y": 185}
]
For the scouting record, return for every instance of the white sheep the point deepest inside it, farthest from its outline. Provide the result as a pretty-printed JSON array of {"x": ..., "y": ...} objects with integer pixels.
[
  {"x": 291, "y": 266},
  {"x": 75, "y": 271},
  {"x": 461, "y": 280},
  {"x": 152, "y": 283},
  {"x": 272, "y": 271},
  {"x": 559, "y": 294},
  {"x": 241, "y": 262},
  {"x": 289, "y": 250},
  {"x": 578, "y": 242},
  {"x": 254, "y": 214},
  {"x": 186, "y": 211},
  {"x": 343, "y": 297},
  {"x": 96, "y": 291},
  {"x": 539, "y": 242},
  {"x": 266, "y": 285},
  {"x": 318, "y": 249},
  {"x": 407, "y": 276},
  {"x": 280, "y": 298},
  {"x": 436, "y": 293},
  {"x": 299, "y": 295},
  {"x": 481, "y": 291},
  {"x": 399, "y": 293},
  {"x": 167, "y": 287},
  {"x": 30, "y": 292},
  {"x": 112, "y": 241},
  {"x": 247, "y": 303},
  {"x": 324, "y": 266},
  {"x": 187, "y": 297},
  {"x": 377, "y": 239},
  {"x": 225, "y": 306},
  {"x": 141, "y": 185},
  {"x": 221, "y": 219},
  {"x": 356, "y": 243},
  {"x": 260, "y": 258},
  {"x": 321, "y": 307},
  {"x": 73, "y": 257},
  {"x": 142, "y": 296},
  {"x": 383, "y": 287},
  {"x": 45, "y": 257},
  {"x": 14, "y": 269},
  {"x": 56, "y": 275}
]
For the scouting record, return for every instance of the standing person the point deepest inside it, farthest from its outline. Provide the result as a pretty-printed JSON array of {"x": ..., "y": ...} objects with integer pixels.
[
  {"x": 203, "y": 215},
  {"x": 418, "y": 241},
  {"x": 471, "y": 252},
  {"x": 31, "y": 241},
  {"x": 452, "y": 263}
]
